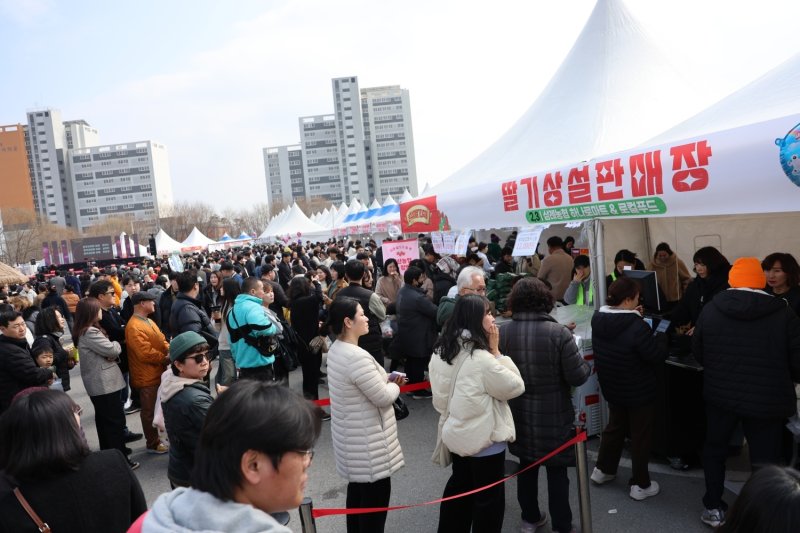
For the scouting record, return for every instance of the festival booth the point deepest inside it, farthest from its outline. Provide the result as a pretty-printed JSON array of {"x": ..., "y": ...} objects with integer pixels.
[
  {"x": 723, "y": 171},
  {"x": 165, "y": 244},
  {"x": 195, "y": 242}
]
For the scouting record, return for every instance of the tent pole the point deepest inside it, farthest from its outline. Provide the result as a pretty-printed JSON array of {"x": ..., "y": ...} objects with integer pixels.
[{"x": 597, "y": 261}]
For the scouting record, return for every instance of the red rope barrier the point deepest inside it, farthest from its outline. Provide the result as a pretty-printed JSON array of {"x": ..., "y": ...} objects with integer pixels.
[
  {"x": 317, "y": 513},
  {"x": 405, "y": 388}
]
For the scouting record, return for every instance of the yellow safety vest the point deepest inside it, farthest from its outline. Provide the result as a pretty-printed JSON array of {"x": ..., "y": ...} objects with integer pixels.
[{"x": 580, "y": 299}]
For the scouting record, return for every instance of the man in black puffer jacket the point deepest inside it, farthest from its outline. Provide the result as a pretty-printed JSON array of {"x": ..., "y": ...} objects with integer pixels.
[
  {"x": 187, "y": 312},
  {"x": 749, "y": 345}
]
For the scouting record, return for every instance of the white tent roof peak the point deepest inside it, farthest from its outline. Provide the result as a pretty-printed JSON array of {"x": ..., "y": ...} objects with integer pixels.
[
  {"x": 196, "y": 238},
  {"x": 614, "y": 90},
  {"x": 406, "y": 196},
  {"x": 375, "y": 204},
  {"x": 389, "y": 201}
]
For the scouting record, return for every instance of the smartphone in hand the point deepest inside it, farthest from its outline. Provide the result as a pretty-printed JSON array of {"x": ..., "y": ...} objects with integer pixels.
[{"x": 394, "y": 375}]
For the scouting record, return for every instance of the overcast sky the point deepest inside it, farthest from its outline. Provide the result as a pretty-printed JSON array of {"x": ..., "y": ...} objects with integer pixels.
[{"x": 218, "y": 81}]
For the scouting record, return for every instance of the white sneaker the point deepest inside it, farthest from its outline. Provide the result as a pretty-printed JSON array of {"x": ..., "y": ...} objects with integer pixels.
[
  {"x": 713, "y": 517},
  {"x": 639, "y": 494},
  {"x": 127, "y": 404},
  {"x": 599, "y": 477}
]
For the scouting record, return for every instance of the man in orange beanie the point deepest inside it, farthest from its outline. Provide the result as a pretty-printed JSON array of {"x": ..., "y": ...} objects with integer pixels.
[{"x": 749, "y": 345}]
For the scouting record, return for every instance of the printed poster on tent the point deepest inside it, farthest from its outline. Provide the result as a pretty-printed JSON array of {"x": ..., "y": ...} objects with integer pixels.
[
  {"x": 528, "y": 240},
  {"x": 402, "y": 251}
]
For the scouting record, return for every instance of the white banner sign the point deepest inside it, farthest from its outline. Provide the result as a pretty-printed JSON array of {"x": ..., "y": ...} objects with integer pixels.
[
  {"x": 750, "y": 169},
  {"x": 528, "y": 240}
]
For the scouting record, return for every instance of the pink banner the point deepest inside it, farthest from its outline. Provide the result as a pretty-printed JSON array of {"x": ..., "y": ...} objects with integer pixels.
[{"x": 402, "y": 251}]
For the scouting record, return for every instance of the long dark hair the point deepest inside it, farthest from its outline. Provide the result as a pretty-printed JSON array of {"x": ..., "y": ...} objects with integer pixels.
[
  {"x": 230, "y": 290},
  {"x": 85, "y": 317},
  {"x": 39, "y": 436},
  {"x": 298, "y": 288},
  {"x": 769, "y": 502},
  {"x": 388, "y": 262},
  {"x": 47, "y": 322},
  {"x": 716, "y": 263},
  {"x": 464, "y": 327},
  {"x": 325, "y": 270}
]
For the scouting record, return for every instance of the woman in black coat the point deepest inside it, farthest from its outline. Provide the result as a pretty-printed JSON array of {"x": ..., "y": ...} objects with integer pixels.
[
  {"x": 305, "y": 301},
  {"x": 70, "y": 488},
  {"x": 548, "y": 359},
  {"x": 50, "y": 326},
  {"x": 712, "y": 277},
  {"x": 628, "y": 359}
]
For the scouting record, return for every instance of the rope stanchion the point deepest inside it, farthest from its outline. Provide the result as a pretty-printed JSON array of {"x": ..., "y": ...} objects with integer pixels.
[
  {"x": 405, "y": 388},
  {"x": 307, "y": 516},
  {"x": 318, "y": 513}
]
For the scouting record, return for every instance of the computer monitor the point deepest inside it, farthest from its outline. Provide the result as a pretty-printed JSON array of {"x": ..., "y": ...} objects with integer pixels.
[{"x": 648, "y": 289}]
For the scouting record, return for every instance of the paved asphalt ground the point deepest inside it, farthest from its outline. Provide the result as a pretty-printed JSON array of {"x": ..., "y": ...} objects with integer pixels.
[{"x": 677, "y": 509}]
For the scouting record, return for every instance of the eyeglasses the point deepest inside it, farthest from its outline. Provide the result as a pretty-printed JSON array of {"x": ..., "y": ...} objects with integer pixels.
[
  {"x": 77, "y": 409},
  {"x": 199, "y": 357},
  {"x": 306, "y": 454},
  {"x": 479, "y": 290},
  {"x": 110, "y": 293}
]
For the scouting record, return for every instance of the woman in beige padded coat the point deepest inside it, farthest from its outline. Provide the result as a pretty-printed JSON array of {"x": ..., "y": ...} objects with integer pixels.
[{"x": 364, "y": 428}]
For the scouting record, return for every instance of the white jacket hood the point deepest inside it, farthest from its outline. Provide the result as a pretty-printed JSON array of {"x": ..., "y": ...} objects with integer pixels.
[{"x": 172, "y": 384}]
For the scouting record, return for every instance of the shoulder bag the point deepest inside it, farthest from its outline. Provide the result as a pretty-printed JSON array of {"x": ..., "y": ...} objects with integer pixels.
[
  {"x": 441, "y": 454},
  {"x": 41, "y": 524}
]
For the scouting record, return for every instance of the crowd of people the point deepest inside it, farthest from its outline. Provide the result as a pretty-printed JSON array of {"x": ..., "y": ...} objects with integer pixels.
[{"x": 144, "y": 335}]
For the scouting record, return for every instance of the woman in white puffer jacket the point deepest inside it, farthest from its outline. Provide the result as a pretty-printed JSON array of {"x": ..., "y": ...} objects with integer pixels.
[
  {"x": 364, "y": 428},
  {"x": 476, "y": 423}
]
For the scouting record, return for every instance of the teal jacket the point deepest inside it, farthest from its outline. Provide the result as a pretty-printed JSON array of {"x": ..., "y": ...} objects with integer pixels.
[{"x": 249, "y": 317}]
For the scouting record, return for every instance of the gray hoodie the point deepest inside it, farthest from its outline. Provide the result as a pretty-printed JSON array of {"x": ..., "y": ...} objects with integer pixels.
[{"x": 184, "y": 510}]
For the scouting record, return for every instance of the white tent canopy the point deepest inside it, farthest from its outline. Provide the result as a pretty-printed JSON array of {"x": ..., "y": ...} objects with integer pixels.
[
  {"x": 296, "y": 222},
  {"x": 196, "y": 239},
  {"x": 593, "y": 105},
  {"x": 273, "y": 224},
  {"x": 166, "y": 244},
  {"x": 773, "y": 95}
]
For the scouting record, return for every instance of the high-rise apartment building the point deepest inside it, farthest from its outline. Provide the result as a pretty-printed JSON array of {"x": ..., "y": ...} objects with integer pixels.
[
  {"x": 45, "y": 142},
  {"x": 321, "y": 166},
  {"x": 389, "y": 141},
  {"x": 285, "y": 178},
  {"x": 364, "y": 150},
  {"x": 14, "y": 171},
  {"x": 48, "y": 139},
  {"x": 350, "y": 136},
  {"x": 122, "y": 180}
]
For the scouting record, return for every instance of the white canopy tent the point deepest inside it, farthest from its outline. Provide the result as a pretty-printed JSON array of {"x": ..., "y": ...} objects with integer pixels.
[
  {"x": 165, "y": 244},
  {"x": 297, "y": 225},
  {"x": 730, "y": 147},
  {"x": 196, "y": 241},
  {"x": 593, "y": 105}
]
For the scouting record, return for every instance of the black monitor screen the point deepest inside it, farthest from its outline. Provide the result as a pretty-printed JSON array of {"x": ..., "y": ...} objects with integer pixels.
[{"x": 648, "y": 289}]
